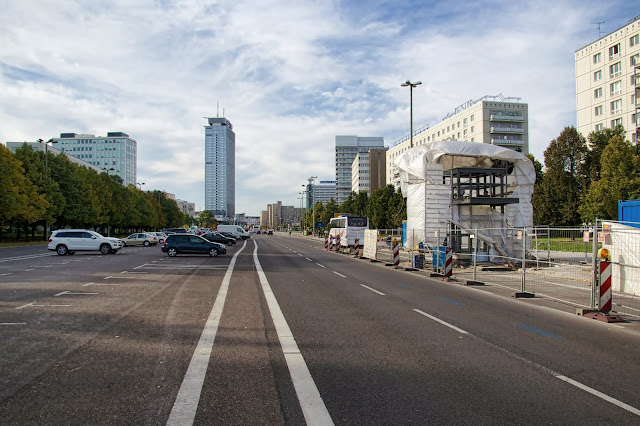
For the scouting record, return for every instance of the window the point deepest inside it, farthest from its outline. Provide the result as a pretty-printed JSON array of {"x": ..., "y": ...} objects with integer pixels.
[
  {"x": 614, "y": 51},
  {"x": 616, "y": 107},
  {"x": 597, "y": 75},
  {"x": 635, "y": 40},
  {"x": 634, "y": 59},
  {"x": 615, "y": 70},
  {"x": 465, "y": 121},
  {"x": 599, "y": 127},
  {"x": 472, "y": 119},
  {"x": 633, "y": 80},
  {"x": 616, "y": 122},
  {"x": 597, "y": 93},
  {"x": 598, "y": 110},
  {"x": 471, "y": 129},
  {"x": 616, "y": 88},
  {"x": 597, "y": 58}
]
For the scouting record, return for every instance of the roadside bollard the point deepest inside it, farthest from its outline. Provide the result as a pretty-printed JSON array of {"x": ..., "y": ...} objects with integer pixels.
[
  {"x": 326, "y": 243},
  {"x": 448, "y": 262},
  {"x": 357, "y": 248},
  {"x": 396, "y": 253},
  {"x": 337, "y": 243}
]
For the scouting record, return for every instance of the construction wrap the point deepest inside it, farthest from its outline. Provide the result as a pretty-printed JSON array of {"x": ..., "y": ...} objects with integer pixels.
[{"x": 429, "y": 200}]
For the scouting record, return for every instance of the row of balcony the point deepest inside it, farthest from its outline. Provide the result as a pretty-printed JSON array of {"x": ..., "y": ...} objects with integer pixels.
[
  {"x": 502, "y": 129},
  {"x": 507, "y": 142},
  {"x": 504, "y": 117}
]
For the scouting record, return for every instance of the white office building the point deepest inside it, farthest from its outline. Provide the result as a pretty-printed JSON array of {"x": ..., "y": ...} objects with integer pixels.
[
  {"x": 495, "y": 120},
  {"x": 607, "y": 77},
  {"x": 220, "y": 169}
]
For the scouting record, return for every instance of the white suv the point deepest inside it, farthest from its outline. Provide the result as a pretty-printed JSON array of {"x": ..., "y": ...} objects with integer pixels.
[{"x": 68, "y": 241}]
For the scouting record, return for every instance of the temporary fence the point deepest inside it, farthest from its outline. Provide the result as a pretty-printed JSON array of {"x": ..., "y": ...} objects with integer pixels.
[{"x": 557, "y": 263}]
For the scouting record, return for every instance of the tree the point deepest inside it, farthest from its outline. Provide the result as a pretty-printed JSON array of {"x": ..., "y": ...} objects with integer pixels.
[
  {"x": 620, "y": 180},
  {"x": 557, "y": 198},
  {"x": 598, "y": 141},
  {"x": 205, "y": 216}
]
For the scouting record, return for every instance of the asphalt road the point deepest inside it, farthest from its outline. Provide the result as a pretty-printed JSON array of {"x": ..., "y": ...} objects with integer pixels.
[{"x": 278, "y": 331}]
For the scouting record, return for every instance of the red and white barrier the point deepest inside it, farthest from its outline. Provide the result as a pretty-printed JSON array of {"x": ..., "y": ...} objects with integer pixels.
[
  {"x": 338, "y": 244},
  {"x": 396, "y": 254},
  {"x": 356, "y": 248},
  {"x": 448, "y": 262},
  {"x": 326, "y": 243},
  {"x": 605, "y": 304}
]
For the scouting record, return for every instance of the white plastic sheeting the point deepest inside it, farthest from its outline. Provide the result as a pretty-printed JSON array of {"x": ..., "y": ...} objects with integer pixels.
[{"x": 429, "y": 207}]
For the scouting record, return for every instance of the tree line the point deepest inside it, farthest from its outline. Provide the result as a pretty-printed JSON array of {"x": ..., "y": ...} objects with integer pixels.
[
  {"x": 38, "y": 189},
  {"x": 583, "y": 179}
]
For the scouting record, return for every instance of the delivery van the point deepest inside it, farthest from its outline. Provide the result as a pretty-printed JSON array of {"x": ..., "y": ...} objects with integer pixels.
[{"x": 236, "y": 230}]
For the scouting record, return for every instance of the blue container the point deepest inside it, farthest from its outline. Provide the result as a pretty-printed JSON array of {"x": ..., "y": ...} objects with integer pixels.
[
  {"x": 629, "y": 211},
  {"x": 441, "y": 255}
]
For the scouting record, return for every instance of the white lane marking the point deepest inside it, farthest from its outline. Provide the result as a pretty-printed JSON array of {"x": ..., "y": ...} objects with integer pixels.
[
  {"x": 33, "y": 304},
  {"x": 373, "y": 290},
  {"x": 88, "y": 284},
  {"x": 26, "y": 257},
  {"x": 120, "y": 278},
  {"x": 13, "y": 323},
  {"x": 313, "y": 408},
  {"x": 301, "y": 255},
  {"x": 322, "y": 266},
  {"x": 73, "y": 293},
  {"x": 141, "y": 266},
  {"x": 600, "y": 395},
  {"x": 337, "y": 273},
  {"x": 127, "y": 272},
  {"x": 29, "y": 270},
  {"x": 186, "y": 403},
  {"x": 8, "y": 273},
  {"x": 459, "y": 330},
  {"x": 308, "y": 259}
]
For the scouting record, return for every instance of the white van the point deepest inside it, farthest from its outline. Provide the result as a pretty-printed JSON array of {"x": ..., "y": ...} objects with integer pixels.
[{"x": 236, "y": 230}]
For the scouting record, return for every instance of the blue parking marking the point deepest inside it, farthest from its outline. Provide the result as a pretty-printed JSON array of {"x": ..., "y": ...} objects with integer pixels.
[
  {"x": 453, "y": 302},
  {"x": 541, "y": 332},
  {"x": 404, "y": 285}
]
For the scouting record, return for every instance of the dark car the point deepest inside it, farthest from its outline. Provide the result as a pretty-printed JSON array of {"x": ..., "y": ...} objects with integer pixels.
[
  {"x": 191, "y": 244},
  {"x": 174, "y": 231},
  {"x": 228, "y": 235},
  {"x": 219, "y": 238}
]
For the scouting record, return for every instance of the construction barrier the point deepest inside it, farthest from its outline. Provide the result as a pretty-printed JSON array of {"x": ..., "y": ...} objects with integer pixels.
[
  {"x": 338, "y": 244},
  {"x": 448, "y": 262},
  {"x": 356, "y": 248},
  {"x": 331, "y": 240},
  {"x": 326, "y": 243},
  {"x": 396, "y": 254},
  {"x": 604, "y": 304}
]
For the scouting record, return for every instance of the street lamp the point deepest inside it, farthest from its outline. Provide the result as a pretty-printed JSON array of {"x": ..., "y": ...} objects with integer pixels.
[
  {"x": 305, "y": 194},
  {"x": 46, "y": 152},
  {"x": 140, "y": 183},
  {"x": 312, "y": 189},
  {"x": 411, "y": 86},
  {"x": 108, "y": 170}
]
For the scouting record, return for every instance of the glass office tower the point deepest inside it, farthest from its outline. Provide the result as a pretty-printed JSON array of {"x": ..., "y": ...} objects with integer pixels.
[{"x": 220, "y": 169}]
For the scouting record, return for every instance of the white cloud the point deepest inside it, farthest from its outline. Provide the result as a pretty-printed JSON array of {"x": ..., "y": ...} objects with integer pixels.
[{"x": 289, "y": 75}]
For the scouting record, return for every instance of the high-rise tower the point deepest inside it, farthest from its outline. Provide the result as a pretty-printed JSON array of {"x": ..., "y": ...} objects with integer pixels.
[{"x": 220, "y": 169}]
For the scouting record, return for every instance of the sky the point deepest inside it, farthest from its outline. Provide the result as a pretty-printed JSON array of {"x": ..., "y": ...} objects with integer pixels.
[{"x": 288, "y": 75}]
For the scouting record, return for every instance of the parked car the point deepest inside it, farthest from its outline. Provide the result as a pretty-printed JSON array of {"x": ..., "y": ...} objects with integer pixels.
[
  {"x": 236, "y": 230},
  {"x": 140, "y": 239},
  {"x": 160, "y": 235},
  {"x": 228, "y": 234},
  {"x": 191, "y": 244},
  {"x": 219, "y": 238},
  {"x": 174, "y": 231},
  {"x": 270, "y": 232},
  {"x": 68, "y": 241}
]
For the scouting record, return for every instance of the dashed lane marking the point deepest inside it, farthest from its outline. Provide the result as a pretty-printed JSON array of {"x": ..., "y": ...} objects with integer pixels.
[
  {"x": 459, "y": 330},
  {"x": 64, "y": 293},
  {"x": 338, "y": 273},
  {"x": 322, "y": 266},
  {"x": 373, "y": 290}
]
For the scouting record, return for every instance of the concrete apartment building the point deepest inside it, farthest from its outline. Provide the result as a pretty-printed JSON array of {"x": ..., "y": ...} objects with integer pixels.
[
  {"x": 607, "y": 77},
  {"x": 279, "y": 217},
  {"x": 347, "y": 147},
  {"x": 369, "y": 170},
  {"x": 495, "y": 120}
]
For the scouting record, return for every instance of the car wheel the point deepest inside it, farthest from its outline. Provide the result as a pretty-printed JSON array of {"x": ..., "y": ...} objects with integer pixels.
[
  {"x": 146, "y": 243},
  {"x": 105, "y": 249},
  {"x": 172, "y": 251},
  {"x": 213, "y": 252},
  {"x": 62, "y": 250},
  {"x": 124, "y": 243}
]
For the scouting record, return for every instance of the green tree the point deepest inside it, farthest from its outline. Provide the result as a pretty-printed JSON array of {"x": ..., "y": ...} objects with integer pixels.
[
  {"x": 598, "y": 141},
  {"x": 619, "y": 180},
  {"x": 203, "y": 218}
]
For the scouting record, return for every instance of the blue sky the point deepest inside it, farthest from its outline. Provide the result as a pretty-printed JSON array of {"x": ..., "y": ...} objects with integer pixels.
[{"x": 290, "y": 76}]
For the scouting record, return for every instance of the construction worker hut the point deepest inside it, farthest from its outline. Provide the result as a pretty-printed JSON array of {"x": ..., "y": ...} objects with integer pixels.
[{"x": 455, "y": 189}]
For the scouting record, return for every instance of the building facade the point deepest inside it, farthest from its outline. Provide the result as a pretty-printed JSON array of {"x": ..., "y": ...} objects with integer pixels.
[
  {"x": 347, "y": 147},
  {"x": 495, "y": 120},
  {"x": 320, "y": 192},
  {"x": 607, "y": 78},
  {"x": 186, "y": 207},
  {"x": 281, "y": 217},
  {"x": 368, "y": 171},
  {"x": 220, "y": 169},
  {"x": 116, "y": 153}
]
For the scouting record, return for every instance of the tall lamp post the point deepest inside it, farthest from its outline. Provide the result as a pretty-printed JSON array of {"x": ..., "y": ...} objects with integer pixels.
[
  {"x": 311, "y": 196},
  {"x": 305, "y": 194},
  {"x": 46, "y": 169},
  {"x": 140, "y": 185},
  {"x": 411, "y": 86}
]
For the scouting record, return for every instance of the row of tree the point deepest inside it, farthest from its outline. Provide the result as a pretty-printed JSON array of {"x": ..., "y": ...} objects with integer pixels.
[
  {"x": 583, "y": 179},
  {"x": 385, "y": 208},
  {"x": 38, "y": 189}
]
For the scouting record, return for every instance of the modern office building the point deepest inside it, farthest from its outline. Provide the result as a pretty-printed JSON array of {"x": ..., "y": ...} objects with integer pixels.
[
  {"x": 347, "y": 147},
  {"x": 116, "y": 153},
  {"x": 322, "y": 192},
  {"x": 220, "y": 169},
  {"x": 495, "y": 120},
  {"x": 368, "y": 171},
  {"x": 41, "y": 146},
  {"x": 607, "y": 77}
]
